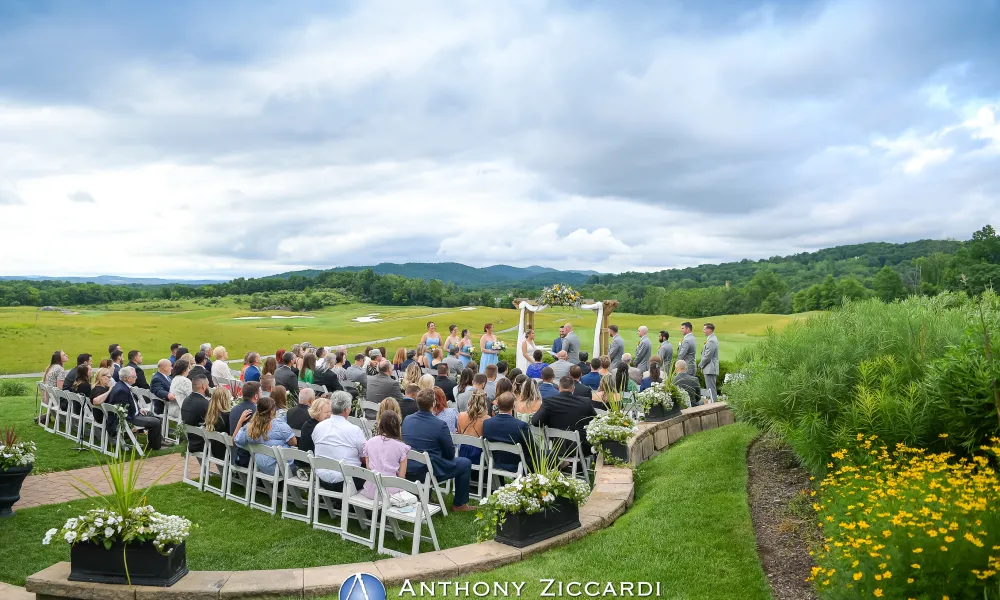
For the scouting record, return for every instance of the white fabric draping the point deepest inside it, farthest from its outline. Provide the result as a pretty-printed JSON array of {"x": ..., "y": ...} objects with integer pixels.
[
  {"x": 599, "y": 308},
  {"x": 522, "y": 362}
]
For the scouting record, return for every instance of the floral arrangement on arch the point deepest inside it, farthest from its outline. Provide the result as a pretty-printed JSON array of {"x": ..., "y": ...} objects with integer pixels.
[
  {"x": 14, "y": 453},
  {"x": 560, "y": 295}
]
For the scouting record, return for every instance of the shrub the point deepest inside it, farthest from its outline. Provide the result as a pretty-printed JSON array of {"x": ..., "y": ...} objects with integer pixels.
[
  {"x": 13, "y": 387},
  {"x": 908, "y": 524}
]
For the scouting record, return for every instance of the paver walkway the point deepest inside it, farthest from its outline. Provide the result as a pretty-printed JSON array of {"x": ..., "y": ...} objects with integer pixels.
[{"x": 53, "y": 488}]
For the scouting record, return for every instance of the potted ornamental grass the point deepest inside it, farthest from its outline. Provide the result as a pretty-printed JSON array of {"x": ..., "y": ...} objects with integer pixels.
[
  {"x": 608, "y": 433},
  {"x": 537, "y": 506},
  {"x": 17, "y": 459},
  {"x": 124, "y": 540}
]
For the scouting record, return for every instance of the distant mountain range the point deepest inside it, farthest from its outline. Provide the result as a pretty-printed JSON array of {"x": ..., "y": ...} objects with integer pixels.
[
  {"x": 110, "y": 280},
  {"x": 464, "y": 275}
]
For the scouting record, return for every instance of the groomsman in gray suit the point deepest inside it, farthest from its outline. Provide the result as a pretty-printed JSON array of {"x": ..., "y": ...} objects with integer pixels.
[
  {"x": 665, "y": 351},
  {"x": 571, "y": 344},
  {"x": 710, "y": 360},
  {"x": 643, "y": 350},
  {"x": 687, "y": 349},
  {"x": 616, "y": 347}
]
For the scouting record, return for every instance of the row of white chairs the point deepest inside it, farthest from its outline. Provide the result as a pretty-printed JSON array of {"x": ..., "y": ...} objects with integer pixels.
[{"x": 78, "y": 422}]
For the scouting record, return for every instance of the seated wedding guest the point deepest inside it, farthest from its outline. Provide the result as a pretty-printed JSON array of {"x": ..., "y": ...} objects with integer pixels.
[
  {"x": 547, "y": 388},
  {"x": 116, "y": 361},
  {"x": 180, "y": 386},
  {"x": 420, "y": 356},
  {"x": 340, "y": 365},
  {"x": 246, "y": 363},
  {"x": 280, "y": 398},
  {"x": 519, "y": 382},
  {"x": 504, "y": 428},
  {"x": 443, "y": 412},
  {"x": 623, "y": 379},
  {"x": 382, "y": 385},
  {"x": 251, "y": 396},
  {"x": 606, "y": 392},
  {"x": 220, "y": 368},
  {"x": 491, "y": 381},
  {"x": 134, "y": 361},
  {"x": 426, "y": 382},
  {"x": 561, "y": 367},
  {"x": 471, "y": 423},
  {"x": 454, "y": 362},
  {"x": 606, "y": 363},
  {"x": 444, "y": 382},
  {"x": 207, "y": 349},
  {"x": 298, "y": 414},
  {"x": 579, "y": 389},
  {"x": 410, "y": 356},
  {"x": 566, "y": 411},
  {"x": 357, "y": 372},
  {"x": 201, "y": 368},
  {"x": 387, "y": 404},
  {"x": 103, "y": 382},
  {"x": 81, "y": 385},
  {"x": 270, "y": 367},
  {"x": 264, "y": 428},
  {"x": 478, "y": 383},
  {"x": 160, "y": 386},
  {"x": 252, "y": 372},
  {"x": 70, "y": 377},
  {"x": 412, "y": 375},
  {"x": 173, "y": 352},
  {"x": 464, "y": 384},
  {"x": 502, "y": 367},
  {"x": 194, "y": 409},
  {"x": 319, "y": 411},
  {"x": 339, "y": 439},
  {"x": 592, "y": 379},
  {"x": 687, "y": 382},
  {"x": 399, "y": 359},
  {"x": 374, "y": 358},
  {"x": 328, "y": 377},
  {"x": 584, "y": 362},
  {"x": 106, "y": 364},
  {"x": 55, "y": 373},
  {"x": 217, "y": 417},
  {"x": 385, "y": 452},
  {"x": 308, "y": 372},
  {"x": 321, "y": 362},
  {"x": 266, "y": 385},
  {"x": 535, "y": 369},
  {"x": 633, "y": 373},
  {"x": 437, "y": 357},
  {"x": 513, "y": 373},
  {"x": 473, "y": 365},
  {"x": 424, "y": 432},
  {"x": 180, "y": 352},
  {"x": 528, "y": 402},
  {"x": 121, "y": 395},
  {"x": 655, "y": 376},
  {"x": 408, "y": 405},
  {"x": 503, "y": 385},
  {"x": 284, "y": 375}
]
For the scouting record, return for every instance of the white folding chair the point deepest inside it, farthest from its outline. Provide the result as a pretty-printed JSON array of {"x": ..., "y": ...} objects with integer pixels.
[
  {"x": 70, "y": 416},
  {"x": 324, "y": 498},
  {"x": 264, "y": 482},
  {"x": 125, "y": 431},
  {"x": 493, "y": 470},
  {"x": 195, "y": 432},
  {"x": 422, "y": 512},
  {"x": 538, "y": 434},
  {"x": 236, "y": 474},
  {"x": 478, "y": 469},
  {"x": 221, "y": 464},
  {"x": 567, "y": 444},
  {"x": 319, "y": 389},
  {"x": 294, "y": 487},
  {"x": 166, "y": 420},
  {"x": 45, "y": 403},
  {"x": 425, "y": 459},
  {"x": 363, "y": 424},
  {"x": 365, "y": 406},
  {"x": 354, "y": 499},
  {"x": 97, "y": 430}
]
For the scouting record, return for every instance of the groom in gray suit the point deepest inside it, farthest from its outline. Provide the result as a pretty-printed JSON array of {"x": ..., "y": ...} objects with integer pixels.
[
  {"x": 687, "y": 349},
  {"x": 710, "y": 360},
  {"x": 643, "y": 350},
  {"x": 571, "y": 344},
  {"x": 616, "y": 347}
]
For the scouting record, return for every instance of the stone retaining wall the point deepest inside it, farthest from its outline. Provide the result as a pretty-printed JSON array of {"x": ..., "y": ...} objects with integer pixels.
[{"x": 612, "y": 495}]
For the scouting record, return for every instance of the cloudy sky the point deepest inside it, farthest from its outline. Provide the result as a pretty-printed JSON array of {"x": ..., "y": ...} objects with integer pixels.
[{"x": 220, "y": 139}]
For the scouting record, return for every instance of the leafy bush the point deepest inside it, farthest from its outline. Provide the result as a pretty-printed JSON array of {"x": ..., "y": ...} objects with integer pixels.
[
  {"x": 908, "y": 524},
  {"x": 13, "y": 387},
  {"x": 894, "y": 370}
]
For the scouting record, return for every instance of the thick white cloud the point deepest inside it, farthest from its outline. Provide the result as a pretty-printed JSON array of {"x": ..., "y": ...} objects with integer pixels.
[{"x": 610, "y": 137}]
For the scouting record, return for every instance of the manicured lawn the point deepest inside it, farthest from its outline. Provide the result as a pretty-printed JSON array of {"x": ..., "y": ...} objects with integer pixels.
[
  {"x": 228, "y": 536},
  {"x": 55, "y": 453},
  {"x": 28, "y": 337}
]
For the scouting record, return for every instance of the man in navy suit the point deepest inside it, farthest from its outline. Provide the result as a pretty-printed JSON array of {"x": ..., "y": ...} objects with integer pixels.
[
  {"x": 566, "y": 411},
  {"x": 593, "y": 378},
  {"x": 424, "y": 432},
  {"x": 121, "y": 395},
  {"x": 504, "y": 427},
  {"x": 546, "y": 388}
]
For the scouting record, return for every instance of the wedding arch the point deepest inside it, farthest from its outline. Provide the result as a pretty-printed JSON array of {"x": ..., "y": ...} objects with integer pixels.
[{"x": 528, "y": 308}]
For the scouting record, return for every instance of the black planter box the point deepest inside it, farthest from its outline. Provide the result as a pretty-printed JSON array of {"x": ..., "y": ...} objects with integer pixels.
[
  {"x": 10, "y": 488},
  {"x": 520, "y": 529},
  {"x": 657, "y": 413},
  {"x": 615, "y": 449},
  {"x": 146, "y": 566}
]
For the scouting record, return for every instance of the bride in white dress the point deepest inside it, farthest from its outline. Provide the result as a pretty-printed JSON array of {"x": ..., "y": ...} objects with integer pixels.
[{"x": 528, "y": 346}]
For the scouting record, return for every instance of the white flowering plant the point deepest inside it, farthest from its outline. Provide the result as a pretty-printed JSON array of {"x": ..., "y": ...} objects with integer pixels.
[
  {"x": 531, "y": 493},
  {"x": 613, "y": 426},
  {"x": 14, "y": 453},
  {"x": 499, "y": 345},
  {"x": 105, "y": 527},
  {"x": 559, "y": 295},
  {"x": 666, "y": 395}
]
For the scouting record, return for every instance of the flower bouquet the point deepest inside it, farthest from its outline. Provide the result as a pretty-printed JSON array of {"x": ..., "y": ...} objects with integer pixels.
[
  {"x": 499, "y": 345},
  {"x": 559, "y": 295},
  {"x": 534, "y": 507},
  {"x": 17, "y": 459}
]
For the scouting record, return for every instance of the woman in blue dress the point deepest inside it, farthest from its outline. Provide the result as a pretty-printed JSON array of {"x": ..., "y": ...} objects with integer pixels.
[
  {"x": 431, "y": 339},
  {"x": 453, "y": 340},
  {"x": 465, "y": 345},
  {"x": 264, "y": 428},
  {"x": 486, "y": 347}
]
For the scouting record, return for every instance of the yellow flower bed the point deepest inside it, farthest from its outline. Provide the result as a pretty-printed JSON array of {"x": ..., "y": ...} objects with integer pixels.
[{"x": 908, "y": 524}]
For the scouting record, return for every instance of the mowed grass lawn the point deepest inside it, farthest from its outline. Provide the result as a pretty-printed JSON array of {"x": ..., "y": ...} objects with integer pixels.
[{"x": 28, "y": 336}]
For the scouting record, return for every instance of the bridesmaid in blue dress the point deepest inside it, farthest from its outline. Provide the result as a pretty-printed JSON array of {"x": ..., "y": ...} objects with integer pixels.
[
  {"x": 465, "y": 348},
  {"x": 486, "y": 347},
  {"x": 452, "y": 340},
  {"x": 431, "y": 339}
]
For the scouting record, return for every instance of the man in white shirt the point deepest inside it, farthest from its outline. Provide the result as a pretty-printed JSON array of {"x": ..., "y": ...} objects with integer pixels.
[{"x": 339, "y": 439}]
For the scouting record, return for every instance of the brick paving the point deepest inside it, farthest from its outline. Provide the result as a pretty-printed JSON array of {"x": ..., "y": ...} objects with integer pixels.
[{"x": 53, "y": 488}]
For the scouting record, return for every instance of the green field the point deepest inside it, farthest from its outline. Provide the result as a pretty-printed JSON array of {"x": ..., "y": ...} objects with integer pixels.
[{"x": 29, "y": 336}]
